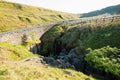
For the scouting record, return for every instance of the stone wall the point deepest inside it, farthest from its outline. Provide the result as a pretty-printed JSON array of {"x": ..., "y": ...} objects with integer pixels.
[{"x": 21, "y": 35}]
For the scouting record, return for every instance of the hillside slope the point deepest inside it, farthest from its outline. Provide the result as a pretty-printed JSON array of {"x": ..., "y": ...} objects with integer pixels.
[
  {"x": 14, "y": 16},
  {"x": 111, "y": 10},
  {"x": 17, "y": 63}
]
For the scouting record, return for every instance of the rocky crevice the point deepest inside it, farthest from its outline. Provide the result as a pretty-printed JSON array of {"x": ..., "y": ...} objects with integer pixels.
[
  {"x": 64, "y": 59},
  {"x": 35, "y": 48}
]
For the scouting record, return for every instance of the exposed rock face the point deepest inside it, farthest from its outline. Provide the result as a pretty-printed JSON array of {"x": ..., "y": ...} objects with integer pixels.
[
  {"x": 35, "y": 48},
  {"x": 69, "y": 73},
  {"x": 35, "y": 59},
  {"x": 49, "y": 60}
]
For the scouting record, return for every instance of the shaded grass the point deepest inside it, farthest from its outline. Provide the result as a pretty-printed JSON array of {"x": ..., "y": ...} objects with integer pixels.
[{"x": 49, "y": 37}]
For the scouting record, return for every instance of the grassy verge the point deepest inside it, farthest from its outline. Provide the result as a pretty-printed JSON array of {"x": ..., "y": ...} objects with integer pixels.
[{"x": 13, "y": 52}]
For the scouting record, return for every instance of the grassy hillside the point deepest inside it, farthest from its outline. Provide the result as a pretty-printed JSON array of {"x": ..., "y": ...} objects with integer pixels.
[
  {"x": 36, "y": 71},
  {"x": 111, "y": 10},
  {"x": 14, "y": 16}
]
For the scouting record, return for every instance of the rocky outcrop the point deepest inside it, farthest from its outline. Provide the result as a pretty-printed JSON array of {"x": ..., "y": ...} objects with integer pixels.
[
  {"x": 35, "y": 59},
  {"x": 35, "y": 48}
]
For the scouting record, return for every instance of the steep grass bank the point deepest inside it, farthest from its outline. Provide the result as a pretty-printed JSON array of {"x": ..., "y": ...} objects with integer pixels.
[{"x": 12, "y": 52}]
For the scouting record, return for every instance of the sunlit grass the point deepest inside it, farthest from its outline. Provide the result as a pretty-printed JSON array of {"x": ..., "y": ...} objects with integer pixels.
[
  {"x": 10, "y": 51},
  {"x": 32, "y": 71}
]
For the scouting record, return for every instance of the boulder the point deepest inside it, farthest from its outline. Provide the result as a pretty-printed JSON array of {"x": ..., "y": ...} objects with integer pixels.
[
  {"x": 49, "y": 60},
  {"x": 62, "y": 54},
  {"x": 57, "y": 63},
  {"x": 76, "y": 63},
  {"x": 42, "y": 61},
  {"x": 72, "y": 54},
  {"x": 66, "y": 59},
  {"x": 68, "y": 73}
]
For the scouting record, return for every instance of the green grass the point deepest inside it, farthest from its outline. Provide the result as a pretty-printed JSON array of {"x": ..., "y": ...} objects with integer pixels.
[
  {"x": 15, "y": 16},
  {"x": 13, "y": 52},
  {"x": 103, "y": 37}
]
